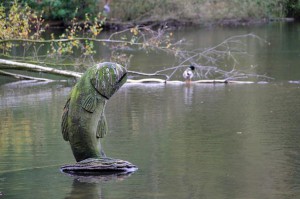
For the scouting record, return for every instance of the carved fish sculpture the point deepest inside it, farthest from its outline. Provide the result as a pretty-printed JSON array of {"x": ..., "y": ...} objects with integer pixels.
[{"x": 83, "y": 119}]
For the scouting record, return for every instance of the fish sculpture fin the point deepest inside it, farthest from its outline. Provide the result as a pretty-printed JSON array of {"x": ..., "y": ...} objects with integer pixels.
[
  {"x": 102, "y": 127},
  {"x": 64, "y": 123},
  {"x": 89, "y": 103}
]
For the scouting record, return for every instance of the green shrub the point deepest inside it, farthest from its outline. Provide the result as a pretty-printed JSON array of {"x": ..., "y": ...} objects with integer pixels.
[
  {"x": 293, "y": 8},
  {"x": 64, "y": 9}
]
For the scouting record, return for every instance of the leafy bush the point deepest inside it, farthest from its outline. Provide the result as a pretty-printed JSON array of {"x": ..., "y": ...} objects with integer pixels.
[
  {"x": 293, "y": 8},
  {"x": 64, "y": 9}
]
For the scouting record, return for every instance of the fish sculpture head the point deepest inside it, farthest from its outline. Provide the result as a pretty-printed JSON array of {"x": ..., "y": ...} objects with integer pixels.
[{"x": 108, "y": 77}]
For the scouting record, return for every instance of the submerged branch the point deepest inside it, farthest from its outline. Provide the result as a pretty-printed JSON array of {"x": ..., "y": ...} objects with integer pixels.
[{"x": 23, "y": 77}]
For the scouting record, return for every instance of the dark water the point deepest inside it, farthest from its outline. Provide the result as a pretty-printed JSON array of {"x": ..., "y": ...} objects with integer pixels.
[{"x": 198, "y": 141}]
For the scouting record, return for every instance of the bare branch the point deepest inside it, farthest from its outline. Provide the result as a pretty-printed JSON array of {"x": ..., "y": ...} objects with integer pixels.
[
  {"x": 206, "y": 61},
  {"x": 147, "y": 74}
]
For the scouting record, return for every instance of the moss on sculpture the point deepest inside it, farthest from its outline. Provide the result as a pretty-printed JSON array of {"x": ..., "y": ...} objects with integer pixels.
[{"x": 83, "y": 120}]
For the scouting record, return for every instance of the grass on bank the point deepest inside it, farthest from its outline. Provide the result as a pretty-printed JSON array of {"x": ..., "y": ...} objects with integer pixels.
[{"x": 199, "y": 10}]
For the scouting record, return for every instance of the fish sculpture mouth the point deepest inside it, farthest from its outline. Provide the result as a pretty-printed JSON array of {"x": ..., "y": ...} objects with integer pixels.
[
  {"x": 122, "y": 78},
  {"x": 118, "y": 84}
]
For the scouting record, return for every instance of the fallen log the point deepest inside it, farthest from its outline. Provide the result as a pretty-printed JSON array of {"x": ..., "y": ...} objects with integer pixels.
[
  {"x": 7, "y": 64},
  {"x": 208, "y": 81}
]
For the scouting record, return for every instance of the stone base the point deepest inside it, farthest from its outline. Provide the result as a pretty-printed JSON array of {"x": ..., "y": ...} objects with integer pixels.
[{"x": 99, "y": 166}]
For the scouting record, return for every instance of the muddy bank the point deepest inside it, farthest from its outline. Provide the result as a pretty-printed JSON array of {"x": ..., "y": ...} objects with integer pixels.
[{"x": 175, "y": 23}]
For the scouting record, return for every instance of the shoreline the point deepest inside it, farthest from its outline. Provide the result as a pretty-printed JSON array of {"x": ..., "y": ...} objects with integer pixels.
[{"x": 114, "y": 24}]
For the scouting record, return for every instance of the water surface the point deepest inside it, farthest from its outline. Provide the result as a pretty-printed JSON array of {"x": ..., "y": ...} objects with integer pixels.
[{"x": 198, "y": 141}]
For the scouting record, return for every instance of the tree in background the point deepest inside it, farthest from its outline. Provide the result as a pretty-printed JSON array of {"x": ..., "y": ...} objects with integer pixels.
[
  {"x": 293, "y": 8},
  {"x": 64, "y": 10},
  {"x": 141, "y": 10}
]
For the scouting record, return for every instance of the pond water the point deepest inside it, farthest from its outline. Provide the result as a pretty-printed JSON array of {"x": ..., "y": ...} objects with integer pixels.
[{"x": 197, "y": 141}]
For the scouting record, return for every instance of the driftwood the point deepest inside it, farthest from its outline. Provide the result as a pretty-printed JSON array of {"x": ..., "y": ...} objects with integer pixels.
[
  {"x": 147, "y": 80},
  {"x": 7, "y": 64},
  {"x": 214, "y": 81},
  {"x": 99, "y": 166}
]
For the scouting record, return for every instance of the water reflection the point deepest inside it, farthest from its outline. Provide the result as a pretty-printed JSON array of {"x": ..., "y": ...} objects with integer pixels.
[
  {"x": 211, "y": 141},
  {"x": 85, "y": 190},
  {"x": 221, "y": 140},
  {"x": 28, "y": 120},
  {"x": 91, "y": 186},
  {"x": 188, "y": 94}
]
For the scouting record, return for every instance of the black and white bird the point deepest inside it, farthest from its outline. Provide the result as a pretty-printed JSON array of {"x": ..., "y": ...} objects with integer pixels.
[{"x": 188, "y": 73}]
